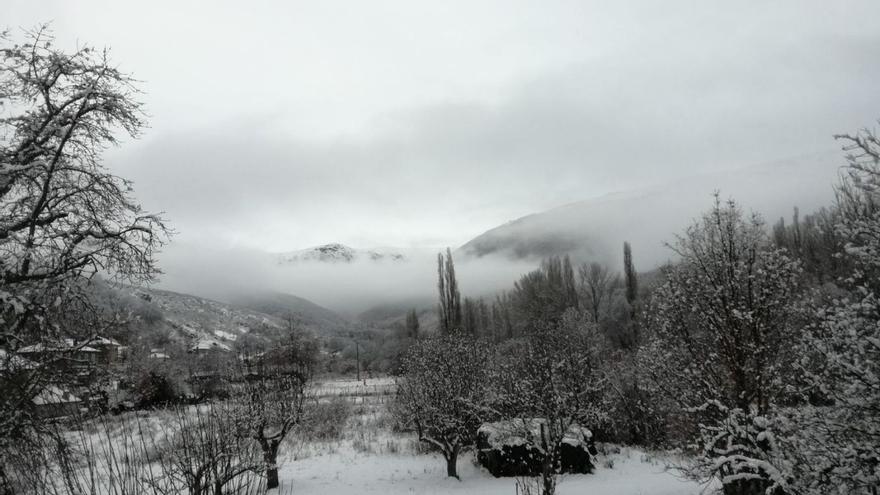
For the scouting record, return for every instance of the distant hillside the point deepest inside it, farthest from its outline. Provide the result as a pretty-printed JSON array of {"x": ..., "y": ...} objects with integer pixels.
[
  {"x": 306, "y": 314},
  {"x": 394, "y": 310},
  {"x": 197, "y": 318},
  {"x": 596, "y": 229}
]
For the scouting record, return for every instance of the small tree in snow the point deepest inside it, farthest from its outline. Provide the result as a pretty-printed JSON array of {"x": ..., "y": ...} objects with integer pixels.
[
  {"x": 439, "y": 392},
  {"x": 207, "y": 452},
  {"x": 274, "y": 398}
]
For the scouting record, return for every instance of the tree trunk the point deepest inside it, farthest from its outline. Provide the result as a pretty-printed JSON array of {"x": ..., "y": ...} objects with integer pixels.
[
  {"x": 451, "y": 463},
  {"x": 548, "y": 477},
  {"x": 270, "y": 457},
  {"x": 5, "y": 485}
]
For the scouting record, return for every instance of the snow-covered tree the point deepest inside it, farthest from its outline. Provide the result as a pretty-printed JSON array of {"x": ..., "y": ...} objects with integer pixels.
[
  {"x": 549, "y": 385},
  {"x": 440, "y": 391},
  {"x": 725, "y": 321},
  {"x": 837, "y": 442},
  {"x": 64, "y": 218}
]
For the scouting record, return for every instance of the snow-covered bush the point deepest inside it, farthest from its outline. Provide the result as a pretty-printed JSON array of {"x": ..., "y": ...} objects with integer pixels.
[
  {"x": 740, "y": 450},
  {"x": 324, "y": 421}
]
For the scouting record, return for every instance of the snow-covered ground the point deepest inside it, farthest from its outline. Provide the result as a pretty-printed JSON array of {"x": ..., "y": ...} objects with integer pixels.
[
  {"x": 371, "y": 458},
  {"x": 348, "y": 471}
]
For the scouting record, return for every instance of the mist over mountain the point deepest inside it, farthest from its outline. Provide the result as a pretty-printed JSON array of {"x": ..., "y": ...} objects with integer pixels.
[
  {"x": 381, "y": 281},
  {"x": 595, "y": 229},
  {"x": 340, "y": 253},
  {"x": 290, "y": 309}
]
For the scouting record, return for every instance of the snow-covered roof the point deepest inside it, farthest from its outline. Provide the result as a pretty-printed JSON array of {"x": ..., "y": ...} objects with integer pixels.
[
  {"x": 208, "y": 345},
  {"x": 54, "y": 395},
  {"x": 13, "y": 362},
  {"x": 65, "y": 347},
  {"x": 522, "y": 431},
  {"x": 99, "y": 341}
]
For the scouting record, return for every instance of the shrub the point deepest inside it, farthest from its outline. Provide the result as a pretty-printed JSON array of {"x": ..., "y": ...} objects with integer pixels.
[
  {"x": 154, "y": 390},
  {"x": 325, "y": 421}
]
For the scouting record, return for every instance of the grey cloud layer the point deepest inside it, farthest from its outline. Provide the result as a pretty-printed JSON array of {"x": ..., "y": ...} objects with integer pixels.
[{"x": 280, "y": 125}]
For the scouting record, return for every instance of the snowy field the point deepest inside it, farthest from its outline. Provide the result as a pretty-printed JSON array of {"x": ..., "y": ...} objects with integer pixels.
[
  {"x": 347, "y": 471},
  {"x": 371, "y": 458}
]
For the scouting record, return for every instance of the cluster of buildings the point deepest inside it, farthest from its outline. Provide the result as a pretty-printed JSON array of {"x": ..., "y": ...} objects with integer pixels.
[{"x": 65, "y": 374}]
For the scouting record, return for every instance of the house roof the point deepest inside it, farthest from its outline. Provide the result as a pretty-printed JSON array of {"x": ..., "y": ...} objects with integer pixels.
[
  {"x": 209, "y": 344},
  {"x": 54, "y": 395},
  {"x": 65, "y": 347},
  {"x": 13, "y": 362},
  {"x": 102, "y": 341}
]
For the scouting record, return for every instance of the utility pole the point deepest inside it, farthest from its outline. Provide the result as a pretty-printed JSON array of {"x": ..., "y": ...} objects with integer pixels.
[{"x": 357, "y": 353}]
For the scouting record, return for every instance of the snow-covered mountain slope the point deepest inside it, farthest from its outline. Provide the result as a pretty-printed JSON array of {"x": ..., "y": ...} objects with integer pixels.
[
  {"x": 596, "y": 229},
  {"x": 198, "y": 318},
  {"x": 340, "y": 253},
  {"x": 194, "y": 318}
]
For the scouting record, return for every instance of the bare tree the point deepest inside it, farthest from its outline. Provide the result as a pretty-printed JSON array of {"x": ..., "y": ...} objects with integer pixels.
[
  {"x": 208, "y": 452},
  {"x": 597, "y": 284},
  {"x": 273, "y": 402}
]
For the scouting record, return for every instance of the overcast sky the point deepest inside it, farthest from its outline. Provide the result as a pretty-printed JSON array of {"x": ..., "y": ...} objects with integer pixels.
[{"x": 281, "y": 125}]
